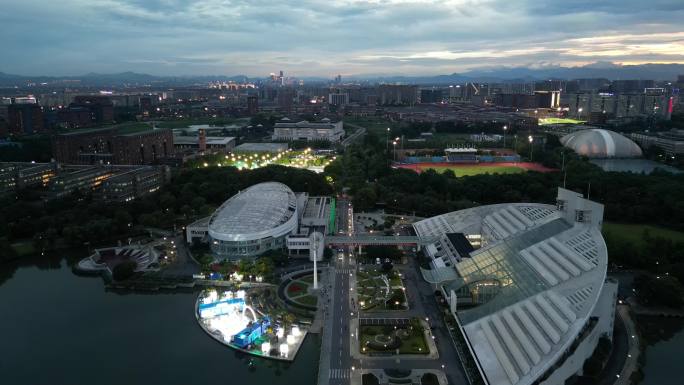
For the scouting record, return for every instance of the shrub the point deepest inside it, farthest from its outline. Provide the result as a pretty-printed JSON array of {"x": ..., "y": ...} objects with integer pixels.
[{"x": 124, "y": 270}]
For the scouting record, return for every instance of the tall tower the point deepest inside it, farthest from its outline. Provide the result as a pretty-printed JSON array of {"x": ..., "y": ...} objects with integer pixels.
[{"x": 202, "y": 140}]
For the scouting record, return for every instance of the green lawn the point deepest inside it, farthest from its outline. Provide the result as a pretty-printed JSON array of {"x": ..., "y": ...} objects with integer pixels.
[
  {"x": 634, "y": 233},
  {"x": 413, "y": 344},
  {"x": 132, "y": 127},
  {"x": 24, "y": 248},
  {"x": 306, "y": 278},
  {"x": 375, "y": 125},
  {"x": 477, "y": 170},
  {"x": 546, "y": 121},
  {"x": 306, "y": 300}
]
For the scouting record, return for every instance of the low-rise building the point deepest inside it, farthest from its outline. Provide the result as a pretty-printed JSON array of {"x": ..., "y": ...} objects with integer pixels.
[
  {"x": 134, "y": 183},
  {"x": 213, "y": 144},
  {"x": 263, "y": 217},
  {"x": 114, "y": 145},
  {"x": 18, "y": 175},
  {"x": 83, "y": 179},
  {"x": 255, "y": 148},
  {"x": 325, "y": 130},
  {"x": 671, "y": 142}
]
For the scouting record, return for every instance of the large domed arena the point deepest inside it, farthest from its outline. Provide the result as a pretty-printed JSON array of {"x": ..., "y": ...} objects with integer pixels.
[
  {"x": 599, "y": 143},
  {"x": 254, "y": 220}
]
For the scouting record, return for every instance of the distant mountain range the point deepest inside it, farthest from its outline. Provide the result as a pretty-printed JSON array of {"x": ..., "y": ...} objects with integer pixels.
[
  {"x": 667, "y": 72},
  {"x": 499, "y": 74},
  {"x": 112, "y": 80}
]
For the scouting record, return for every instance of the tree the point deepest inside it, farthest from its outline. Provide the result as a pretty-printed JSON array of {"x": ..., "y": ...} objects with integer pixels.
[
  {"x": 659, "y": 291},
  {"x": 124, "y": 270},
  {"x": 364, "y": 199}
]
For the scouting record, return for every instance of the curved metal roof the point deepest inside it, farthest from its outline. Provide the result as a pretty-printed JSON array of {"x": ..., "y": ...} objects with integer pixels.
[
  {"x": 263, "y": 210},
  {"x": 599, "y": 143},
  {"x": 551, "y": 273}
]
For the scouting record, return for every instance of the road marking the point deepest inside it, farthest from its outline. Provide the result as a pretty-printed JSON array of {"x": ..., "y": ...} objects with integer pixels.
[{"x": 339, "y": 373}]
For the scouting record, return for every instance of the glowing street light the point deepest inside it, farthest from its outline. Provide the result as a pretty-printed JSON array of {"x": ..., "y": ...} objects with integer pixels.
[
  {"x": 504, "y": 132},
  {"x": 531, "y": 139}
]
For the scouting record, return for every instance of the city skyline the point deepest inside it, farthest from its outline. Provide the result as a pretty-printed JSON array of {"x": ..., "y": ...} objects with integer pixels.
[{"x": 314, "y": 38}]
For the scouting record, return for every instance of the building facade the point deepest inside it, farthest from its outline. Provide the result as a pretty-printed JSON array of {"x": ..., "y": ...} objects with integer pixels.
[
  {"x": 108, "y": 146},
  {"x": 531, "y": 298},
  {"x": 325, "y": 130}
]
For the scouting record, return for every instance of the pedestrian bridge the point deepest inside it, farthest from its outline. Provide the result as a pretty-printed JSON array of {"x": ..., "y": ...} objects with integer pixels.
[{"x": 369, "y": 239}]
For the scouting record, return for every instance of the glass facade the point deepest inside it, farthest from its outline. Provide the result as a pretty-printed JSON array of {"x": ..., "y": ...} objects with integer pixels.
[
  {"x": 502, "y": 263},
  {"x": 246, "y": 249}
]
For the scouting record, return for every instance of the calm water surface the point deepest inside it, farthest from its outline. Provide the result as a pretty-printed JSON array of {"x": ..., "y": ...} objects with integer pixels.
[
  {"x": 664, "y": 354},
  {"x": 59, "y": 328}
]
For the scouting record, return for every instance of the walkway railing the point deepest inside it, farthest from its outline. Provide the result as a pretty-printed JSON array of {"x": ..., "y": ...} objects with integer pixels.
[{"x": 364, "y": 239}]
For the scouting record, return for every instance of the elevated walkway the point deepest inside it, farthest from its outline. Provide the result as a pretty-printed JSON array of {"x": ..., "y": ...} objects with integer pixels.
[{"x": 367, "y": 239}]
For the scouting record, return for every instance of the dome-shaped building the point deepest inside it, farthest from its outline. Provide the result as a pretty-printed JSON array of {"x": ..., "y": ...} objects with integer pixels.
[
  {"x": 253, "y": 221},
  {"x": 599, "y": 143}
]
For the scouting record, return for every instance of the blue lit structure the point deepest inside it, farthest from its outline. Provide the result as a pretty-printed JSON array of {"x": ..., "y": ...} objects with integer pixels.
[
  {"x": 225, "y": 306},
  {"x": 251, "y": 333}
]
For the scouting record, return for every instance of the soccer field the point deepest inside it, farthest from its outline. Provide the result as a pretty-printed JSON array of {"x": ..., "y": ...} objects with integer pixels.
[
  {"x": 545, "y": 121},
  {"x": 478, "y": 169}
]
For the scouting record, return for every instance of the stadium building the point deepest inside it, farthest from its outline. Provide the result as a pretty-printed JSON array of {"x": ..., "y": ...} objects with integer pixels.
[
  {"x": 266, "y": 216},
  {"x": 599, "y": 143},
  {"x": 526, "y": 284}
]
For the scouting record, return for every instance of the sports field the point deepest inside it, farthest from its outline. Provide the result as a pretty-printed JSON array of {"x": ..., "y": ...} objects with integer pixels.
[
  {"x": 545, "y": 121},
  {"x": 477, "y": 169}
]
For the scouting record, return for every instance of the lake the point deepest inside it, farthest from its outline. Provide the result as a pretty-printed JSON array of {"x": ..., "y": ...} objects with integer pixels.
[
  {"x": 60, "y": 328},
  {"x": 664, "y": 350}
]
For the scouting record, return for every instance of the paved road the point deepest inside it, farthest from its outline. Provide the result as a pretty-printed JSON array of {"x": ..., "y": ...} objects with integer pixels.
[
  {"x": 360, "y": 131},
  {"x": 340, "y": 355},
  {"x": 183, "y": 265},
  {"x": 631, "y": 364},
  {"x": 339, "y": 313},
  {"x": 339, "y": 362},
  {"x": 423, "y": 304}
]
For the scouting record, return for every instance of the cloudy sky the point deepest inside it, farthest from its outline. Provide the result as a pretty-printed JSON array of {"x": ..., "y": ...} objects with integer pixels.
[{"x": 327, "y": 37}]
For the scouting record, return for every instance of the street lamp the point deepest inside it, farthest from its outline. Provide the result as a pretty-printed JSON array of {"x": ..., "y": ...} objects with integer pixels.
[
  {"x": 531, "y": 146},
  {"x": 387, "y": 140},
  {"x": 579, "y": 116},
  {"x": 394, "y": 157},
  {"x": 504, "y": 130}
]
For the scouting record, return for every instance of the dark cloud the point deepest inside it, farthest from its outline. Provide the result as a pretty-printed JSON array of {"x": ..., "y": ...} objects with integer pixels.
[{"x": 316, "y": 37}]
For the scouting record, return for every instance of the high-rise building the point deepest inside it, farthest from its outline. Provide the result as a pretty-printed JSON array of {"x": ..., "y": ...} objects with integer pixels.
[
  {"x": 547, "y": 99},
  {"x": 431, "y": 95},
  {"x": 285, "y": 98},
  {"x": 101, "y": 107},
  {"x": 338, "y": 99},
  {"x": 391, "y": 94},
  {"x": 252, "y": 105},
  {"x": 622, "y": 86},
  {"x": 25, "y": 118}
]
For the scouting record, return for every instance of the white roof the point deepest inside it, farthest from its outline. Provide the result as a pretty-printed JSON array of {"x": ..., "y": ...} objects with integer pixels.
[
  {"x": 550, "y": 271},
  {"x": 599, "y": 143},
  {"x": 263, "y": 210}
]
